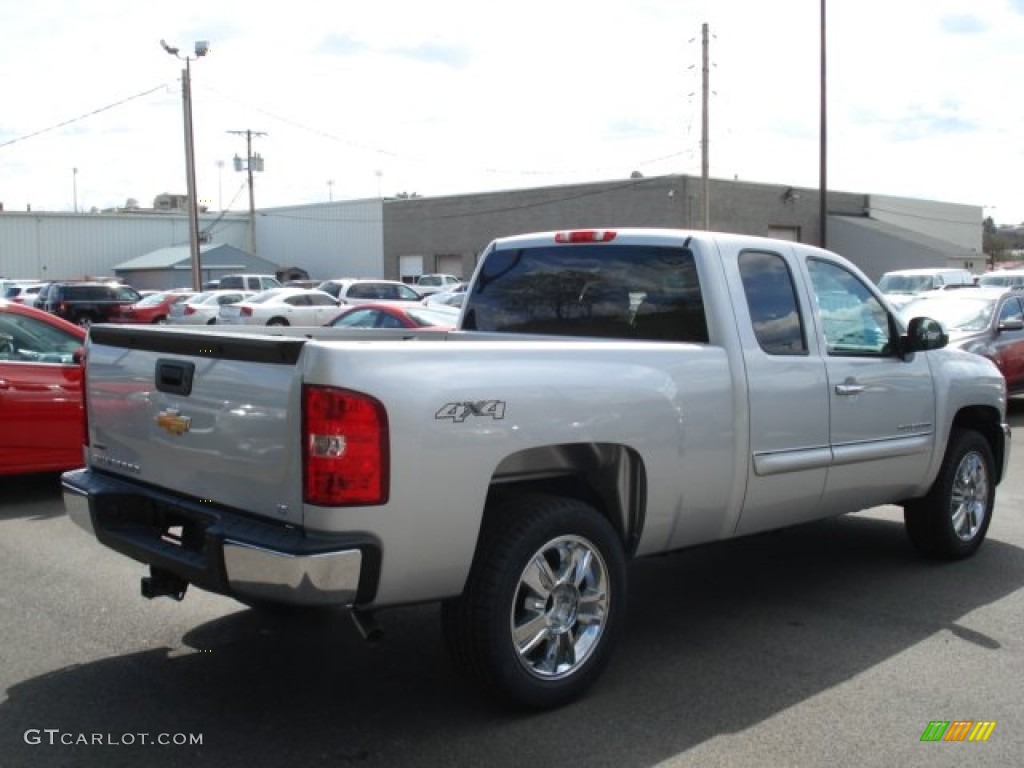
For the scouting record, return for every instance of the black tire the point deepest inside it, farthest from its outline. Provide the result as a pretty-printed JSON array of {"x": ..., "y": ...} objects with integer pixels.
[
  {"x": 84, "y": 320},
  {"x": 950, "y": 523},
  {"x": 567, "y": 619},
  {"x": 277, "y": 321}
]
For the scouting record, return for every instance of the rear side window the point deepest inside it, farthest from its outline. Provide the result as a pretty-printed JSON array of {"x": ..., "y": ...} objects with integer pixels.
[
  {"x": 365, "y": 291},
  {"x": 771, "y": 299},
  {"x": 607, "y": 291}
]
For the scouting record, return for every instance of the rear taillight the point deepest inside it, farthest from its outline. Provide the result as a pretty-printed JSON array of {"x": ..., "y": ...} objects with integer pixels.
[
  {"x": 345, "y": 447},
  {"x": 245, "y": 311},
  {"x": 189, "y": 310},
  {"x": 585, "y": 236}
]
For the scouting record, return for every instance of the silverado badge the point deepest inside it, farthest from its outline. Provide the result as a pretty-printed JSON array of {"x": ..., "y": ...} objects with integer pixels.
[{"x": 173, "y": 422}]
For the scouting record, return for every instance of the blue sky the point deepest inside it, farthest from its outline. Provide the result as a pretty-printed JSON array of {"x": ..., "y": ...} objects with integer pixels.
[{"x": 453, "y": 96}]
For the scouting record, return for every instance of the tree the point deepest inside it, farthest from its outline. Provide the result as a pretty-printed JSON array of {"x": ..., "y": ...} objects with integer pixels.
[{"x": 994, "y": 245}]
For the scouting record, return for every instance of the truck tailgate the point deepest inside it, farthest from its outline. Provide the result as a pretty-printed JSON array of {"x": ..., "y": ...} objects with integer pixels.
[{"x": 213, "y": 417}]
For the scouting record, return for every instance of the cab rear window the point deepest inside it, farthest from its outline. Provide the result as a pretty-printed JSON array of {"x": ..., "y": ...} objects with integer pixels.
[{"x": 606, "y": 291}]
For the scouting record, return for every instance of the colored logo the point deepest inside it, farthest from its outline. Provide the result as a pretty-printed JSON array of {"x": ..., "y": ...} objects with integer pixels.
[
  {"x": 172, "y": 421},
  {"x": 958, "y": 730}
]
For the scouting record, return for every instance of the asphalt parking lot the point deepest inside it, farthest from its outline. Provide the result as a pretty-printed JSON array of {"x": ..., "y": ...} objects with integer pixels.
[{"x": 829, "y": 644}]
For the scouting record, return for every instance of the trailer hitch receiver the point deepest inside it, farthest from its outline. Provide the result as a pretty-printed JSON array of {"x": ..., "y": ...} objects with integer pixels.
[{"x": 161, "y": 583}]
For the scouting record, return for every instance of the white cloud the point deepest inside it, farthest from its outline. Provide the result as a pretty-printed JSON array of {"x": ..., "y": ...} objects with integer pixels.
[{"x": 456, "y": 96}]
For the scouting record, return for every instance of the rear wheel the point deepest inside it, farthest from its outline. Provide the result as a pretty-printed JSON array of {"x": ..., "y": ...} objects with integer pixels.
[
  {"x": 950, "y": 523},
  {"x": 84, "y": 320},
  {"x": 277, "y": 321},
  {"x": 543, "y": 605}
]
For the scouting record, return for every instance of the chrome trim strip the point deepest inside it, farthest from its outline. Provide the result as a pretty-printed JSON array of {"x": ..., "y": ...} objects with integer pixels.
[
  {"x": 874, "y": 450},
  {"x": 780, "y": 462}
]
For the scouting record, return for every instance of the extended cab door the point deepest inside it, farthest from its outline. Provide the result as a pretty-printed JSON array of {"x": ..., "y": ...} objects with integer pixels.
[
  {"x": 787, "y": 393},
  {"x": 882, "y": 406}
]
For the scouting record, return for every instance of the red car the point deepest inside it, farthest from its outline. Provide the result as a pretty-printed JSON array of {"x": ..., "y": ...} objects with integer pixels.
[
  {"x": 154, "y": 308},
  {"x": 439, "y": 318},
  {"x": 41, "y": 423}
]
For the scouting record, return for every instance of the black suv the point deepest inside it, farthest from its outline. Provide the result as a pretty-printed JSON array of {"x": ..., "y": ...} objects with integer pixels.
[{"x": 87, "y": 303}]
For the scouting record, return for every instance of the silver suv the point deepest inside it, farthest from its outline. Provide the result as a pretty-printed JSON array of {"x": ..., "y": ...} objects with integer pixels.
[
  {"x": 362, "y": 290},
  {"x": 248, "y": 282}
]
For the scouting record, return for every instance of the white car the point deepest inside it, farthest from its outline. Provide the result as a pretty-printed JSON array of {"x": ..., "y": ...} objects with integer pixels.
[
  {"x": 202, "y": 309},
  {"x": 428, "y": 284},
  {"x": 281, "y": 306},
  {"x": 901, "y": 285},
  {"x": 1008, "y": 278},
  {"x": 445, "y": 299},
  {"x": 24, "y": 293}
]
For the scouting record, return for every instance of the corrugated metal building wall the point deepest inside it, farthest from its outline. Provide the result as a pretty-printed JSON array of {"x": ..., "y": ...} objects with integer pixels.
[
  {"x": 337, "y": 239},
  {"x": 55, "y": 246}
]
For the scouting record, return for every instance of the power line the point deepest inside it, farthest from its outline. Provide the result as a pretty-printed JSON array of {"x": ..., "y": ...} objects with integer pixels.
[
  {"x": 413, "y": 158},
  {"x": 81, "y": 117}
]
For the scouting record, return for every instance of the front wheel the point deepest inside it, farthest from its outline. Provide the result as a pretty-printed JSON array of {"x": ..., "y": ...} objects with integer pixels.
[
  {"x": 950, "y": 523},
  {"x": 543, "y": 605}
]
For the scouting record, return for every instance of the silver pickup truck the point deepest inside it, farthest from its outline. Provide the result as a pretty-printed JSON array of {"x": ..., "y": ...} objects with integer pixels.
[{"x": 609, "y": 395}]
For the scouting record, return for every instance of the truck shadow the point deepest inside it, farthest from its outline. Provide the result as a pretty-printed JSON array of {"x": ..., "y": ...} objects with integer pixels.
[
  {"x": 1015, "y": 412},
  {"x": 36, "y": 496},
  {"x": 719, "y": 639}
]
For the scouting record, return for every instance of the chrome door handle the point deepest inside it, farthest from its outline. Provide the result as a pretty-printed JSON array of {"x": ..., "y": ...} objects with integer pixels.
[{"x": 849, "y": 389}]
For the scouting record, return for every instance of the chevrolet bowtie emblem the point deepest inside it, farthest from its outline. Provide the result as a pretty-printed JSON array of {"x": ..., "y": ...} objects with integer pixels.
[{"x": 173, "y": 422}]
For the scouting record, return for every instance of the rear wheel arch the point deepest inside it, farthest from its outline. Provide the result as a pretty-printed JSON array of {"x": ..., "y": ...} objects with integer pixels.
[{"x": 607, "y": 476}]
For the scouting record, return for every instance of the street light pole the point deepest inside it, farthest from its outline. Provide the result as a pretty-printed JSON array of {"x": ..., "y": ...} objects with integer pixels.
[
  {"x": 202, "y": 48},
  {"x": 190, "y": 180}
]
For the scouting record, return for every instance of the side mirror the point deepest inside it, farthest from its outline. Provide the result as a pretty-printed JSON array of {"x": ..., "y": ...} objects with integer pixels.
[{"x": 924, "y": 334}]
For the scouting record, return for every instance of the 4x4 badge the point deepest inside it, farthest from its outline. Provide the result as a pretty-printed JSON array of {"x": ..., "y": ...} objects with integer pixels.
[{"x": 173, "y": 422}]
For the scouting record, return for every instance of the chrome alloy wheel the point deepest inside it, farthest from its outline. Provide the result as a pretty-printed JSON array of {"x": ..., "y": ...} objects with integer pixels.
[
  {"x": 969, "y": 500},
  {"x": 560, "y": 608}
]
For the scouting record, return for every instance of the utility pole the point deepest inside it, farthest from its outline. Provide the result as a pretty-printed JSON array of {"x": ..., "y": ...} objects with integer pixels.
[
  {"x": 704, "y": 163},
  {"x": 220, "y": 185},
  {"x": 252, "y": 162}
]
